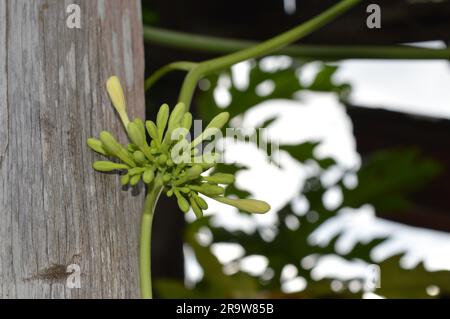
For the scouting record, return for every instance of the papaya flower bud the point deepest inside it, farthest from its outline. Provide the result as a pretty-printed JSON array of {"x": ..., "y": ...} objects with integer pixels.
[
  {"x": 182, "y": 202},
  {"x": 152, "y": 130},
  {"x": 220, "y": 178},
  {"x": 213, "y": 127},
  {"x": 148, "y": 176},
  {"x": 117, "y": 97},
  {"x": 253, "y": 206},
  {"x": 161, "y": 119},
  {"x": 106, "y": 166},
  {"x": 96, "y": 146}
]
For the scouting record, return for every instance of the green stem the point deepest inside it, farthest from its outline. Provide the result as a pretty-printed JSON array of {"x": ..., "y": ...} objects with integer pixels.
[
  {"x": 145, "y": 268},
  {"x": 212, "y": 44},
  {"x": 181, "y": 65},
  {"x": 189, "y": 85},
  {"x": 261, "y": 49}
]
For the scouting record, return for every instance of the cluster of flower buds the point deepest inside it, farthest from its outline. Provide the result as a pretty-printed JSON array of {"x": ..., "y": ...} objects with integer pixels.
[{"x": 159, "y": 161}]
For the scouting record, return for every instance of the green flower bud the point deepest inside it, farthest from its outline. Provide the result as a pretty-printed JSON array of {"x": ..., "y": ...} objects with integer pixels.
[
  {"x": 132, "y": 148},
  {"x": 208, "y": 189},
  {"x": 220, "y": 178},
  {"x": 96, "y": 145},
  {"x": 174, "y": 121},
  {"x": 140, "y": 125},
  {"x": 136, "y": 171},
  {"x": 148, "y": 176},
  {"x": 176, "y": 116},
  {"x": 247, "y": 205},
  {"x": 200, "y": 201},
  {"x": 153, "y": 131},
  {"x": 194, "y": 172},
  {"x": 136, "y": 136},
  {"x": 106, "y": 166},
  {"x": 161, "y": 119},
  {"x": 190, "y": 174},
  {"x": 125, "y": 179},
  {"x": 117, "y": 97},
  {"x": 162, "y": 159},
  {"x": 166, "y": 178},
  {"x": 182, "y": 202},
  {"x": 154, "y": 151},
  {"x": 219, "y": 120},
  {"x": 185, "y": 190},
  {"x": 135, "y": 180},
  {"x": 186, "y": 122},
  {"x": 197, "y": 210},
  {"x": 213, "y": 127},
  {"x": 109, "y": 143},
  {"x": 139, "y": 157},
  {"x": 112, "y": 147}
]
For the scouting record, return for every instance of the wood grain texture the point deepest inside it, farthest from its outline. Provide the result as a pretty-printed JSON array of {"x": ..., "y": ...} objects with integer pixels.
[{"x": 54, "y": 209}]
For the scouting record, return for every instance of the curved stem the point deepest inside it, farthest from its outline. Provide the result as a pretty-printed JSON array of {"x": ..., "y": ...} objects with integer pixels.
[
  {"x": 181, "y": 65},
  {"x": 145, "y": 269},
  {"x": 280, "y": 41},
  {"x": 189, "y": 85},
  {"x": 212, "y": 44}
]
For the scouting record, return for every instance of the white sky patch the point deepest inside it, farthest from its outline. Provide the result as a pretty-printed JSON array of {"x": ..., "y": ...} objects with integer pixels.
[
  {"x": 265, "y": 88},
  {"x": 294, "y": 285},
  {"x": 254, "y": 264},
  {"x": 290, "y": 6},
  {"x": 361, "y": 225},
  {"x": 315, "y": 117},
  {"x": 193, "y": 270},
  {"x": 289, "y": 272},
  {"x": 417, "y": 87},
  {"x": 240, "y": 75},
  {"x": 332, "y": 198},
  {"x": 336, "y": 267},
  {"x": 275, "y": 63},
  {"x": 309, "y": 72},
  {"x": 227, "y": 252}
]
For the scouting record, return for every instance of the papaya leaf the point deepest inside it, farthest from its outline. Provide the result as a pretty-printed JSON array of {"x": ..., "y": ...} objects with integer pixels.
[{"x": 387, "y": 177}]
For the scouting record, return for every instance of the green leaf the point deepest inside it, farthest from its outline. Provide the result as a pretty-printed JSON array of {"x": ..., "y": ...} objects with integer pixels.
[
  {"x": 305, "y": 151},
  {"x": 387, "y": 177},
  {"x": 323, "y": 82}
]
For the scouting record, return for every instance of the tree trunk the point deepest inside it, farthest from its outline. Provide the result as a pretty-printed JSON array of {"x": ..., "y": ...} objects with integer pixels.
[{"x": 55, "y": 211}]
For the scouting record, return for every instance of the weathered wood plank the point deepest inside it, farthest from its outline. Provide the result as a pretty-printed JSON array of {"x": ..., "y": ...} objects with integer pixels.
[{"x": 54, "y": 210}]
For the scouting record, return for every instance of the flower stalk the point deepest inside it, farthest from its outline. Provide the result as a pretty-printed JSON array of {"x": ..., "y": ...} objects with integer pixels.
[{"x": 145, "y": 268}]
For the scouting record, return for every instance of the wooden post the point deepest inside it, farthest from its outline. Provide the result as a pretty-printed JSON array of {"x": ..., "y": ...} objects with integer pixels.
[{"x": 55, "y": 211}]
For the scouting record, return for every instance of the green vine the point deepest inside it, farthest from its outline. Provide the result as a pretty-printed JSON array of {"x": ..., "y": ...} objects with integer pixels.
[
  {"x": 264, "y": 48},
  {"x": 202, "y": 43}
]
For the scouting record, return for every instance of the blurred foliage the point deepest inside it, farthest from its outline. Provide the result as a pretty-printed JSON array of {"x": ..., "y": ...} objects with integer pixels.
[
  {"x": 385, "y": 180},
  {"x": 285, "y": 83},
  {"x": 391, "y": 175},
  {"x": 290, "y": 246}
]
